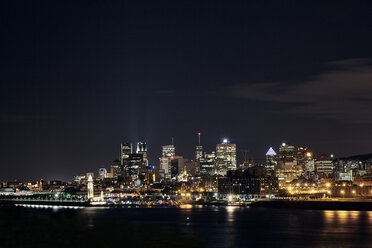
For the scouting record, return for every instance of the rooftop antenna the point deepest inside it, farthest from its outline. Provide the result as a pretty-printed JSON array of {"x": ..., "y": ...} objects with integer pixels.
[
  {"x": 199, "y": 134},
  {"x": 172, "y": 141}
]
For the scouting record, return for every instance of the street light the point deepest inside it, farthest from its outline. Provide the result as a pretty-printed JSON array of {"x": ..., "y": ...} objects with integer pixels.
[{"x": 343, "y": 193}]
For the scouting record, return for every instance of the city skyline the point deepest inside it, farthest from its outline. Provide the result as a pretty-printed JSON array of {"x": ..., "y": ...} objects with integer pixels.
[{"x": 131, "y": 148}]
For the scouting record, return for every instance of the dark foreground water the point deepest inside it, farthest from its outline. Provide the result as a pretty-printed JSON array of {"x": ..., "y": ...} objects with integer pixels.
[{"x": 238, "y": 227}]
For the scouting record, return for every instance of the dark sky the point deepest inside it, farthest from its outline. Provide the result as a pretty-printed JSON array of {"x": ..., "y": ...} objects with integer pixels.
[{"x": 78, "y": 78}]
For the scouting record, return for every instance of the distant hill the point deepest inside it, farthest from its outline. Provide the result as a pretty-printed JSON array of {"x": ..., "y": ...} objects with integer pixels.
[{"x": 361, "y": 157}]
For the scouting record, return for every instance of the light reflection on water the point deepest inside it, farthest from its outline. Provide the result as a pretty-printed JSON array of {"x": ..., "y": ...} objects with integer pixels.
[
  {"x": 230, "y": 210},
  {"x": 254, "y": 227},
  {"x": 343, "y": 216},
  {"x": 369, "y": 213},
  {"x": 186, "y": 206}
]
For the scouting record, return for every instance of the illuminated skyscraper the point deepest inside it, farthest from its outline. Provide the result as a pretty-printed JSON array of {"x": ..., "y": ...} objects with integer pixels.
[
  {"x": 198, "y": 149},
  {"x": 135, "y": 163},
  {"x": 271, "y": 160},
  {"x": 225, "y": 157},
  {"x": 177, "y": 166},
  {"x": 125, "y": 151},
  {"x": 198, "y": 155},
  {"x": 208, "y": 164},
  {"x": 116, "y": 169},
  {"x": 305, "y": 162},
  {"x": 142, "y": 149},
  {"x": 287, "y": 167},
  {"x": 168, "y": 152},
  {"x": 324, "y": 165},
  {"x": 287, "y": 152}
]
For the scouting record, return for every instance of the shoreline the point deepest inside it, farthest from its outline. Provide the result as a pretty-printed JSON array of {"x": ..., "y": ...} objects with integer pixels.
[{"x": 336, "y": 204}]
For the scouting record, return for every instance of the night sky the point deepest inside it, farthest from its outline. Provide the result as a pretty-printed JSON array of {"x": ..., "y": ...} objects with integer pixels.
[{"x": 77, "y": 79}]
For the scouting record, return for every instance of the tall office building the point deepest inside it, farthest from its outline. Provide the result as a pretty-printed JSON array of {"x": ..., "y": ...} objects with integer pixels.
[
  {"x": 287, "y": 152},
  {"x": 198, "y": 155},
  {"x": 198, "y": 149},
  {"x": 116, "y": 169},
  {"x": 287, "y": 167},
  {"x": 208, "y": 164},
  {"x": 198, "y": 152},
  {"x": 225, "y": 157},
  {"x": 168, "y": 152},
  {"x": 125, "y": 151},
  {"x": 305, "y": 162},
  {"x": 324, "y": 165},
  {"x": 142, "y": 149},
  {"x": 135, "y": 164},
  {"x": 271, "y": 160},
  {"x": 177, "y": 166}
]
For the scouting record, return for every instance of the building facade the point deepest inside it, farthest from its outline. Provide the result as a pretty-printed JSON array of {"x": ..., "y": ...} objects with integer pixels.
[{"x": 225, "y": 157}]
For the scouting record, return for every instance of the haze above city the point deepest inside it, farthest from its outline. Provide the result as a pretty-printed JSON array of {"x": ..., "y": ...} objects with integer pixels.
[{"x": 78, "y": 79}]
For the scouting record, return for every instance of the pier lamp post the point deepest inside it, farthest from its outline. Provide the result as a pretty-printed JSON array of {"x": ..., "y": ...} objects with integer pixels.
[
  {"x": 343, "y": 193},
  {"x": 361, "y": 189}
]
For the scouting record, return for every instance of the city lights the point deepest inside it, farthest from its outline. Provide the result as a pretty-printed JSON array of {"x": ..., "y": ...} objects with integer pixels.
[{"x": 212, "y": 177}]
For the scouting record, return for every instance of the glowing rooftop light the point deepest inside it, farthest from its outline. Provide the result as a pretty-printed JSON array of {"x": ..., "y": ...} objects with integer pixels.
[
  {"x": 225, "y": 140},
  {"x": 271, "y": 152},
  {"x": 284, "y": 144}
]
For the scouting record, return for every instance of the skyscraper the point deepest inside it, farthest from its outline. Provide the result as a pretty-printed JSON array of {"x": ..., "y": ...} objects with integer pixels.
[
  {"x": 287, "y": 168},
  {"x": 271, "y": 160},
  {"x": 177, "y": 166},
  {"x": 135, "y": 163},
  {"x": 324, "y": 165},
  {"x": 287, "y": 152},
  {"x": 125, "y": 151},
  {"x": 305, "y": 162},
  {"x": 225, "y": 157},
  {"x": 116, "y": 169},
  {"x": 198, "y": 149},
  {"x": 142, "y": 149},
  {"x": 198, "y": 155},
  {"x": 168, "y": 152},
  {"x": 208, "y": 164}
]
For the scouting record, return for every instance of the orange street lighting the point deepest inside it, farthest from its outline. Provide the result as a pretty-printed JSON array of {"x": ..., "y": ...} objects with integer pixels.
[{"x": 343, "y": 193}]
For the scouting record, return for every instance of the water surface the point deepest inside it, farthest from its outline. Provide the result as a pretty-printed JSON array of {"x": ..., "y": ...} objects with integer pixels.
[{"x": 251, "y": 227}]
